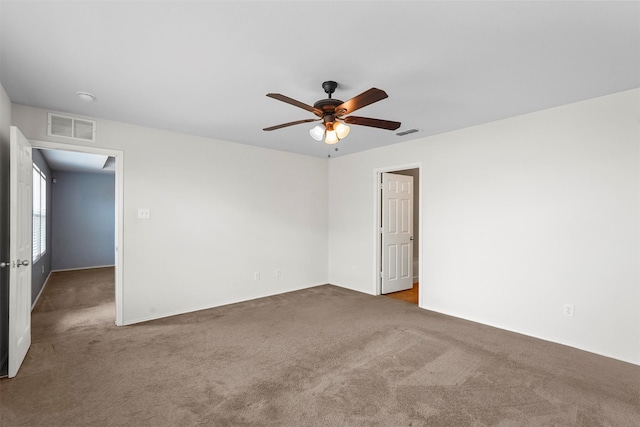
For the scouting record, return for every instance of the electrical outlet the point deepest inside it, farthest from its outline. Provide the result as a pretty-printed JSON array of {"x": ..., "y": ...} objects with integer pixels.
[
  {"x": 568, "y": 310},
  {"x": 43, "y": 269},
  {"x": 144, "y": 213},
  {"x": 278, "y": 273},
  {"x": 256, "y": 275}
]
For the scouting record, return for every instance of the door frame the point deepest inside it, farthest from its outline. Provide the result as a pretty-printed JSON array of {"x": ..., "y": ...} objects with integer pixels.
[
  {"x": 119, "y": 212},
  {"x": 377, "y": 214}
]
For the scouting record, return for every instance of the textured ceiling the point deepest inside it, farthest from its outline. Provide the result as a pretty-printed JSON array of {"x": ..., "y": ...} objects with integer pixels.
[{"x": 204, "y": 68}]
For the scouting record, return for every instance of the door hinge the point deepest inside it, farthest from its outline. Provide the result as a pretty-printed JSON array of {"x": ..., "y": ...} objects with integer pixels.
[
  {"x": 381, "y": 275},
  {"x": 381, "y": 230},
  {"x": 380, "y": 186}
]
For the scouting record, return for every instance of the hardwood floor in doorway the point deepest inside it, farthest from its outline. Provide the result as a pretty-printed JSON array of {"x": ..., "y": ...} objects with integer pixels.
[{"x": 410, "y": 295}]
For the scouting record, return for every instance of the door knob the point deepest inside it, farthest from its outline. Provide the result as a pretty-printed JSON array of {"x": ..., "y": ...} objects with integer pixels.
[
  {"x": 4, "y": 264},
  {"x": 411, "y": 238},
  {"x": 24, "y": 262}
]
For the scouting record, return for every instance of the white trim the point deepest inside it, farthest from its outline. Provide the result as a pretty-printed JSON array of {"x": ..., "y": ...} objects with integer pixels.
[
  {"x": 42, "y": 178},
  {"x": 82, "y": 268},
  {"x": 216, "y": 305},
  {"x": 46, "y": 281},
  {"x": 41, "y": 289},
  {"x": 119, "y": 212},
  {"x": 377, "y": 173},
  {"x": 501, "y": 327}
]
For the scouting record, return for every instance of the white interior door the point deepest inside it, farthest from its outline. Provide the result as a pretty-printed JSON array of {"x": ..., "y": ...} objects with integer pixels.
[
  {"x": 397, "y": 232},
  {"x": 20, "y": 249}
]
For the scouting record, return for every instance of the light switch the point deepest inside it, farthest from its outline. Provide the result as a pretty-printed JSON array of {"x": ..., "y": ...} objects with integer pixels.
[{"x": 144, "y": 213}]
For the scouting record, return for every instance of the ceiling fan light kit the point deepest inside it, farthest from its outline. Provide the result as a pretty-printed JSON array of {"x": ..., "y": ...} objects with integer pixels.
[
  {"x": 341, "y": 129},
  {"x": 317, "y": 132},
  {"x": 331, "y": 112},
  {"x": 331, "y": 132}
]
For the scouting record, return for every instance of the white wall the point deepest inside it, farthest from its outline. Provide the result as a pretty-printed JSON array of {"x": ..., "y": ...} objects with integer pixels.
[
  {"x": 219, "y": 212},
  {"x": 519, "y": 217}
]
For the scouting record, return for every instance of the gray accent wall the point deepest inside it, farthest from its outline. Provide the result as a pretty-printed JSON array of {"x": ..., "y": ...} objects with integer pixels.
[
  {"x": 5, "y": 123},
  {"x": 41, "y": 268},
  {"x": 83, "y": 220}
]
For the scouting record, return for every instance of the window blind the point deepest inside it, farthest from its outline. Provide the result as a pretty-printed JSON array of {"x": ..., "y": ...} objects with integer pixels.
[{"x": 39, "y": 213}]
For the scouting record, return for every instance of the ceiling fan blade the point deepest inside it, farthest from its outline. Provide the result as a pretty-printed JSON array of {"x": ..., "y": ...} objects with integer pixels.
[
  {"x": 292, "y": 101},
  {"x": 284, "y": 125},
  {"x": 374, "y": 123},
  {"x": 365, "y": 98}
]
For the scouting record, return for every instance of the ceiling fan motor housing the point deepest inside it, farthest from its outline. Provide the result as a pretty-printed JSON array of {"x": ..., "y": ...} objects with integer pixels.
[
  {"x": 329, "y": 87},
  {"x": 328, "y": 106}
]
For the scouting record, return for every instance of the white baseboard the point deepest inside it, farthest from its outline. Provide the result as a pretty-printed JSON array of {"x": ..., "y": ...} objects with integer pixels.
[
  {"x": 555, "y": 341},
  {"x": 44, "y": 285},
  {"x": 157, "y": 316},
  {"x": 82, "y": 268}
]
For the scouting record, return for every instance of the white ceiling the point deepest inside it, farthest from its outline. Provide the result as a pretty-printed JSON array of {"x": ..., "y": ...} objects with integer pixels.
[
  {"x": 73, "y": 161},
  {"x": 204, "y": 67}
]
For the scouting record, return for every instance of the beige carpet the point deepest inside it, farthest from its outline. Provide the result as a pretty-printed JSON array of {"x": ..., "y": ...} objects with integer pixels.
[{"x": 324, "y": 356}]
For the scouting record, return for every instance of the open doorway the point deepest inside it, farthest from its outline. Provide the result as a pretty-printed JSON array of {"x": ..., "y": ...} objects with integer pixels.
[
  {"x": 78, "y": 172},
  {"x": 25, "y": 210},
  {"x": 398, "y": 230}
]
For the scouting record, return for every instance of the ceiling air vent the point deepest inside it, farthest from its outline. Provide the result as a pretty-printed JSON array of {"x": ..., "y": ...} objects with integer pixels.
[
  {"x": 71, "y": 127},
  {"x": 407, "y": 132}
]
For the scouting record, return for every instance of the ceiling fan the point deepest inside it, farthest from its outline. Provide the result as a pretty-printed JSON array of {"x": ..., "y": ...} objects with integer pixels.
[{"x": 332, "y": 111}]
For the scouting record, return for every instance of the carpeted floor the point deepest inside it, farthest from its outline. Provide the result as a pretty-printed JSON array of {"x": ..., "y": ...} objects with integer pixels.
[{"x": 324, "y": 356}]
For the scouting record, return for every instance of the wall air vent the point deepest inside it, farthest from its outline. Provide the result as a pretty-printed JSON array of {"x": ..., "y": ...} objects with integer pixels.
[
  {"x": 407, "y": 132},
  {"x": 71, "y": 127}
]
